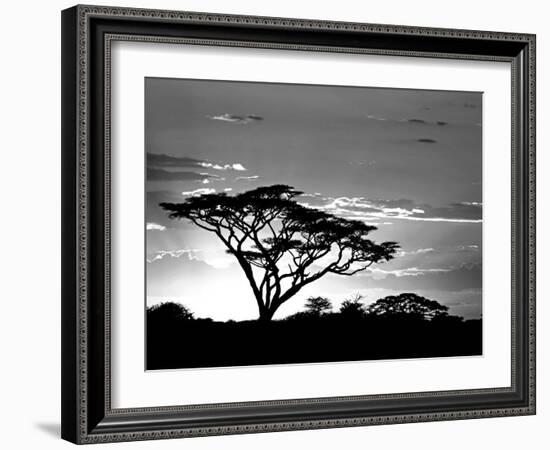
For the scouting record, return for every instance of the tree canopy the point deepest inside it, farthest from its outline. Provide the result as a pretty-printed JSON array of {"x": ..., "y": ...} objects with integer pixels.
[
  {"x": 318, "y": 305},
  {"x": 353, "y": 307},
  {"x": 281, "y": 245},
  {"x": 408, "y": 304},
  {"x": 169, "y": 311}
]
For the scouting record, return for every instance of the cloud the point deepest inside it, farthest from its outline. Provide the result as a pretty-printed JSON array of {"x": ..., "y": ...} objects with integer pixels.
[
  {"x": 171, "y": 175},
  {"x": 162, "y": 167},
  {"x": 378, "y": 118},
  {"x": 213, "y": 259},
  {"x": 233, "y": 118},
  {"x": 166, "y": 175},
  {"x": 236, "y": 166},
  {"x": 228, "y": 189},
  {"x": 408, "y": 272},
  {"x": 253, "y": 177},
  {"x": 455, "y": 278},
  {"x": 468, "y": 248},
  {"x": 420, "y": 261},
  {"x": 158, "y": 255},
  {"x": 418, "y": 251},
  {"x": 151, "y": 226},
  {"x": 161, "y": 160},
  {"x": 197, "y": 192},
  {"x": 315, "y": 195},
  {"x": 413, "y": 120},
  {"x": 182, "y": 162},
  {"x": 440, "y": 123},
  {"x": 471, "y": 203},
  {"x": 363, "y": 163},
  {"x": 367, "y": 210},
  {"x": 455, "y": 212}
]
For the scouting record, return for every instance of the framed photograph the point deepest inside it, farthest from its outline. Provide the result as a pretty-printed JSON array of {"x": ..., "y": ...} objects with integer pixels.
[{"x": 282, "y": 224}]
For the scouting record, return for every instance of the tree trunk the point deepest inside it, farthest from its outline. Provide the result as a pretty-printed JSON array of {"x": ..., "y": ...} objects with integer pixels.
[{"x": 266, "y": 314}]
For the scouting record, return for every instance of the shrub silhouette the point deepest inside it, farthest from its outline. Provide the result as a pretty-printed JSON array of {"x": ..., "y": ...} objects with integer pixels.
[
  {"x": 318, "y": 305},
  {"x": 169, "y": 311},
  {"x": 353, "y": 307},
  {"x": 407, "y": 305},
  {"x": 276, "y": 240}
]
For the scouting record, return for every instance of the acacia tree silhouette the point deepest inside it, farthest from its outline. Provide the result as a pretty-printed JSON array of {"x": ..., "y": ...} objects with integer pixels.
[
  {"x": 276, "y": 241},
  {"x": 318, "y": 305},
  {"x": 407, "y": 304}
]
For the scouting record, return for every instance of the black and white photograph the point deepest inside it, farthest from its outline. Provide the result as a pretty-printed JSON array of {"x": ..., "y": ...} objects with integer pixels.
[
  {"x": 280, "y": 219},
  {"x": 293, "y": 223}
]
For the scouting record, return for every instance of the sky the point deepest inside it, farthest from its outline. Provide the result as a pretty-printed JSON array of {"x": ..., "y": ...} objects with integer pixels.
[{"x": 406, "y": 161}]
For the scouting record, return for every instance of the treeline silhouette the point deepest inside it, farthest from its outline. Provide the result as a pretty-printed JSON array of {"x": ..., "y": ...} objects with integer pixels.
[{"x": 402, "y": 326}]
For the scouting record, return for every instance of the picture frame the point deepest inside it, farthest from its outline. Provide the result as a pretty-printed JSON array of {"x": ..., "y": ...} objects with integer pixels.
[{"x": 88, "y": 415}]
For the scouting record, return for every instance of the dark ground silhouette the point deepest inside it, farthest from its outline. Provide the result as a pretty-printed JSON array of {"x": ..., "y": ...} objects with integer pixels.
[{"x": 175, "y": 339}]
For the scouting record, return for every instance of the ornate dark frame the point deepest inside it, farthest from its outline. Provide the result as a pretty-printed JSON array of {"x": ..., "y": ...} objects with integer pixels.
[{"x": 87, "y": 33}]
